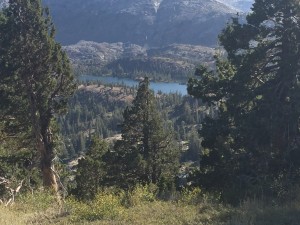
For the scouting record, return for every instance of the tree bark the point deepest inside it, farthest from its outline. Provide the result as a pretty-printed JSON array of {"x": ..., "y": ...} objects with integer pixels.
[
  {"x": 43, "y": 136},
  {"x": 46, "y": 153}
]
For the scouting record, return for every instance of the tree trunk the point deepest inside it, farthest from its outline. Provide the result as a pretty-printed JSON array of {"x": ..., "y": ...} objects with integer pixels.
[
  {"x": 47, "y": 155},
  {"x": 43, "y": 136}
]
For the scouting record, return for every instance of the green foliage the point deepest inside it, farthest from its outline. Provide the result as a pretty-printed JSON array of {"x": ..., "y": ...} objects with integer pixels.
[
  {"x": 253, "y": 139},
  {"x": 17, "y": 162},
  {"x": 35, "y": 201},
  {"x": 97, "y": 112},
  {"x": 156, "y": 68},
  {"x": 91, "y": 113},
  {"x": 146, "y": 153},
  {"x": 17, "y": 167},
  {"x": 91, "y": 170},
  {"x": 194, "y": 148},
  {"x": 36, "y": 78},
  {"x": 141, "y": 194},
  {"x": 105, "y": 205},
  {"x": 31, "y": 74},
  {"x": 109, "y": 207},
  {"x": 193, "y": 196}
]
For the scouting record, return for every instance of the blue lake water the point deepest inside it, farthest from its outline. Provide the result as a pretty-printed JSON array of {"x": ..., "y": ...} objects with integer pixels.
[{"x": 155, "y": 86}]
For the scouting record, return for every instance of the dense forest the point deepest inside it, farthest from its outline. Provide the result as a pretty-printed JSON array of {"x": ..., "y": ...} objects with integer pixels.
[
  {"x": 97, "y": 110},
  {"x": 229, "y": 153}
]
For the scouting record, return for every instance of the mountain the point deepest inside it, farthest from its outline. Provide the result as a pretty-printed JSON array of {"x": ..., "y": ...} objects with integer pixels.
[
  {"x": 242, "y": 5},
  {"x": 144, "y": 22}
]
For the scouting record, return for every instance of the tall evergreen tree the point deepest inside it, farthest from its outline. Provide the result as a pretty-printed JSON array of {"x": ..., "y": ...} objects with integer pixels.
[
  {"x": 36, "y": 78},
  {"x": 255, "y": 136},
  {"x": 146, "y": 153}
]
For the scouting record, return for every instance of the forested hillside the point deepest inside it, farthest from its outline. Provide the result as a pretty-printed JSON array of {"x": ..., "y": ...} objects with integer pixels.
[
  {"x": 87, "y": 153},
  {"x": 170, "y": 63}
]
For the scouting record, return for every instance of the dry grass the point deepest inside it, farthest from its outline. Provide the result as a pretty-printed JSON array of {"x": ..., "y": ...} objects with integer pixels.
[
  {"x": 171, "y": 213},
  {"x": 10, "y": 216},
  {"x": 144, "y": 209}
]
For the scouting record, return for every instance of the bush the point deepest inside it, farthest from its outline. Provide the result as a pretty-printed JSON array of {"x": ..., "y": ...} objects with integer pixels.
[
  {"x": 140, "y": 194},
  {"x": 106, "y": 205},
  {"x": 192, "y": 196}
]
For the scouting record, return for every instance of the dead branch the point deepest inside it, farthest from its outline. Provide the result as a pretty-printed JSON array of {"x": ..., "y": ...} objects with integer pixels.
[{"x": 12, "y": 192}]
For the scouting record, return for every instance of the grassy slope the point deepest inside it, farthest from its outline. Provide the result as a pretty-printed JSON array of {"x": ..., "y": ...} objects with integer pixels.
[
  {"x": 108, "y": 209},
  {"x": 152, "y": 213}
]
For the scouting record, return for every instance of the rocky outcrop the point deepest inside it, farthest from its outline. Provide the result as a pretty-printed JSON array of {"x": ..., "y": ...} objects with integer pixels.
[{"x": 87, "y": 52}]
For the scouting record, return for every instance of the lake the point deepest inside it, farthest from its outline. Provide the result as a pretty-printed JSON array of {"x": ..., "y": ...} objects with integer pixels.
[{"x": 155, "y": 86}]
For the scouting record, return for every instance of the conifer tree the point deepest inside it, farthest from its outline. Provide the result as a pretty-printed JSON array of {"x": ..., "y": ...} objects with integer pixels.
[
  {"x": 146, "y": 153},
  {"x": 255, "y": 136},
  {"x": 36, "y": 78},
  {"x": 91, "y": 170}
]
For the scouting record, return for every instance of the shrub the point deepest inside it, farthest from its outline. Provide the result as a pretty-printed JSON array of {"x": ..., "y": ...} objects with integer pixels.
[
  {"x": 140, "y": 194},
  {"x": 106, "y": 205}
]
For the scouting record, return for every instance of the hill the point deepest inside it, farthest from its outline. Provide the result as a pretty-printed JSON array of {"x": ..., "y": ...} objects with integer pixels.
[{"x": 177, "y": 60}]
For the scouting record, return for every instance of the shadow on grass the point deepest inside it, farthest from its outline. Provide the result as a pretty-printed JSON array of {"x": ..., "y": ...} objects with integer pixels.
[{"x": 253, "y": 213}]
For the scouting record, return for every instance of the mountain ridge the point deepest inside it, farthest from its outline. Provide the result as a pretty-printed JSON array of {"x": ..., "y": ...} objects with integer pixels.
[
  {"x": 152, "y": 23},
  {"x": 176, "y": 61},
  {"x": 242, "y": 5}
]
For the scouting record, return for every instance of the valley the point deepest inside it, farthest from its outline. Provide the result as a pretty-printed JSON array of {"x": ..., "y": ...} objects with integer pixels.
[{"x": 149, "y": 112}]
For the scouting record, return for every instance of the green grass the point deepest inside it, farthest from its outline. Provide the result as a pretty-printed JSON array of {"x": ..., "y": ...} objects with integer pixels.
[{"x": 141, "y": 207}]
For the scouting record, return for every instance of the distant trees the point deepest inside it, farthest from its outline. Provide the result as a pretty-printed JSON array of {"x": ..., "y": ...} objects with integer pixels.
[
  {"x": 252, "y": 145},
  {"x": 91, "y": 113},
  {"x": 36, "y": 78},
  {"x": 193, "y": 152},
  {"x": 146, "y": 153}
]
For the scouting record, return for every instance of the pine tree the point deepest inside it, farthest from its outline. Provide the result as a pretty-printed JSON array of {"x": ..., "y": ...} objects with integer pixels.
[
  {"x": 146, "y": 153},
  {"x": 255, "y": 136},
  {"x": 91, "y": 170},
  {"x": 36, "y": 78}
]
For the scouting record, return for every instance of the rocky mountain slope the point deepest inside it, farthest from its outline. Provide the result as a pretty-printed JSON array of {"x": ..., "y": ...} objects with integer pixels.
[
  {"x": 142, "y": 22},
  {"x": 176, "y": 60},
  {"x": 242, "y": 5}
]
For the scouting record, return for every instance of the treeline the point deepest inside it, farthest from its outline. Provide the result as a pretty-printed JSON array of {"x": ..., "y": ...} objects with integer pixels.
[{"x": 157, "y": 68}]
